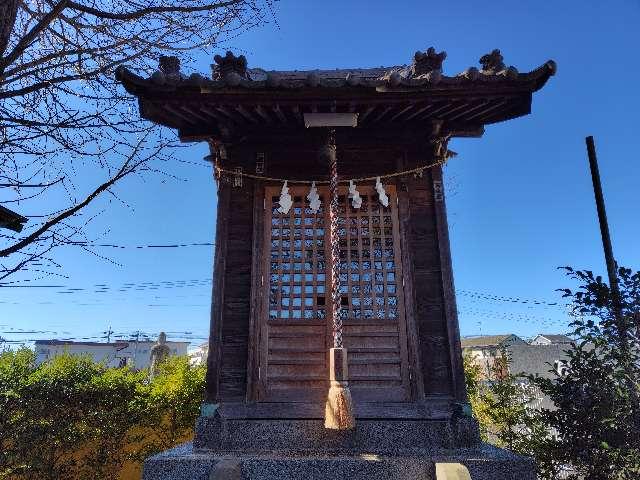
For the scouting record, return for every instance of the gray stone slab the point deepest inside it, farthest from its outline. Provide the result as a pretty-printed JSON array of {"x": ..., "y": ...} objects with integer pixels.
[
  {"x": 179, "y": 463},
  {"x": 484, "y": 463},
  {"x": 379, "y": 436}
]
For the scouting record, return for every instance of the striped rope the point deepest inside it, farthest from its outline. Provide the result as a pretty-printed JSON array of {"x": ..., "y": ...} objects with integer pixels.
[
  {"x": 336, "y": 303},
  {"x": 232, "y": 173}
]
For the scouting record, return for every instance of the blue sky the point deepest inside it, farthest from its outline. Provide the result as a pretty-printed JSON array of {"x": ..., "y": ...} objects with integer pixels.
[{"x": 520, "y": 199}]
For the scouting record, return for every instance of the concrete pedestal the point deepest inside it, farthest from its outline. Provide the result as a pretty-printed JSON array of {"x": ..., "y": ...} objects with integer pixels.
[{"x": 302, "y": 449}]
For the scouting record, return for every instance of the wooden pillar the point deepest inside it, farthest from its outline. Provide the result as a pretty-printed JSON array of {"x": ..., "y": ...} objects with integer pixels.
[
  {"x": 217, "y": 294},
  {"x": 448, "y": 289}
]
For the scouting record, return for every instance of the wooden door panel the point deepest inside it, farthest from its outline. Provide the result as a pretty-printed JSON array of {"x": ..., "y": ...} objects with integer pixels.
[{"x": 295, "y": 332}]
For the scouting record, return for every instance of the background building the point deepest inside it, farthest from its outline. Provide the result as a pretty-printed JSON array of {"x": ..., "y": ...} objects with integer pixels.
[
  {"x": 550, "y": 339},
  {"x": 117, "y": 354},
  {"x": 198, "y": 356},
  {"x": 484, "y": 349}
]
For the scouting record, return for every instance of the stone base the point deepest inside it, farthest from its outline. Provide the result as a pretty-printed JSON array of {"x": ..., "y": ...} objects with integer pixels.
[
  {"x": 309, "y": 436},
  {"x": 302, "y": 449},
  {"x": 484, "y": 462}
]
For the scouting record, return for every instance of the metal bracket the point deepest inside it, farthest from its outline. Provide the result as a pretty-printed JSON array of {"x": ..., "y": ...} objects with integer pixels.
[
  {"x": 237, "y": 177},
  {"x": 260, "y": 163},
  {"x": 438, "y": 191}
]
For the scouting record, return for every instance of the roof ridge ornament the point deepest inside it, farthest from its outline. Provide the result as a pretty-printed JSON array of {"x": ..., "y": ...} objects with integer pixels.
[
  {"x": 230, "y": 67},
  {"x": 492, "y": 62},
  {"x": 169, "y": 64},
  {"x": 427, "y": 62}
]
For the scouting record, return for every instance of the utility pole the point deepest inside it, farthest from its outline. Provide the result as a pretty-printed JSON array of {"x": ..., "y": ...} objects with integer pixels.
[
  {"x": 135, "y": 349},
  {"x": 611, "y": 267},
  {"x": 602, "y": 216}
]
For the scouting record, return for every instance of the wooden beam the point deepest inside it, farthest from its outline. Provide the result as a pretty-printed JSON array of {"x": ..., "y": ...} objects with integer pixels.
[
  {"x": 467, "y": 112},
  {"x": 448, "y": 288},
  {"x": 196, "y": 112},
  {"x": 439, "y": 109},
  {"x": 487, "y": 110},
  {"x": 218, "y": 115},
  {"x": 280, "y": 114},
  {"x": 380, "y": 115},
  {"x": 464, "y": 106},
  {"x": 362, "y": 117},
  {"x": 245, "y": 113},
  {"x": 418, "y": 112},
  {"x": 177, "y": 111},
  {"x": 402, "y": 112},
  {"x": 238, "y": 119},
  {"x": 297, "y": 114},
  {"x": 263, "y": 114}
]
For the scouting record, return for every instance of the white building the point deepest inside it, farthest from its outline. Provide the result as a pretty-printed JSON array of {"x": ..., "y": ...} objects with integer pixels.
[
  {"x": 198, "y": 356},
  {"x": 116, "y": 354},
  {"x": 484, "y": 350},
  {"x": 551, "y": 339}
]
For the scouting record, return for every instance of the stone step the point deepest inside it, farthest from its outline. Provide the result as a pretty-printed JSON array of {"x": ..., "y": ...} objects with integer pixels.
[
  {"x": 370, "y": 436},
  {"x": 483, "y": 463}
]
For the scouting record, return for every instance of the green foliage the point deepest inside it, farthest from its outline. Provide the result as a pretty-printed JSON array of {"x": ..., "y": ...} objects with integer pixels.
[
  {"x": 476, "y": 394},
  {"x": 499, "y": 401},
  {"x": 175, "y": 399},
  {"x": 75, "y": 419},
  {"x": 597, "y": 419},
  {"x": 594, "y": 427}
]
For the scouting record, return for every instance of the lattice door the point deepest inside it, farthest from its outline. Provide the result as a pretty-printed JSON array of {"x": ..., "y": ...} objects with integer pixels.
[{"x": 295, "y": 329}]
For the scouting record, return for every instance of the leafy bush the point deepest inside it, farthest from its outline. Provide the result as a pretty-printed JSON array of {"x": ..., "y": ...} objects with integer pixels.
[
  {"x": 75, "y": 419},
  {"x": 597, "y": 419},
  {"x": 594, "y": 428}
]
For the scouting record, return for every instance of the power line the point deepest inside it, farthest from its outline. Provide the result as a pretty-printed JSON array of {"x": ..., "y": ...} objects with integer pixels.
[
  {"x": 500, "y": 298},
  {"x": 138, "y": 247}
]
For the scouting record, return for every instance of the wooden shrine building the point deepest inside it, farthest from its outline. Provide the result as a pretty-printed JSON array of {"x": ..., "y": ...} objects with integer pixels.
[{"x": 270, "y": 322}]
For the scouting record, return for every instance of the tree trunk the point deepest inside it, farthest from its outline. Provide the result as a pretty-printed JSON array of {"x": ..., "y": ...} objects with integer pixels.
[{"x": 8, "y": 12}]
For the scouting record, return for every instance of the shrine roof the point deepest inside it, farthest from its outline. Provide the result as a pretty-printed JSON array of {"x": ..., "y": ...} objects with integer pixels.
[{"x": 237, "y": 96}]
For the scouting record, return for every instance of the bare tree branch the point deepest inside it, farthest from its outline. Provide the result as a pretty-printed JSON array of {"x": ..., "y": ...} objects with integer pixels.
[
  {"x": 63, "y": 118},
  {"x": 136, "y": 14}
]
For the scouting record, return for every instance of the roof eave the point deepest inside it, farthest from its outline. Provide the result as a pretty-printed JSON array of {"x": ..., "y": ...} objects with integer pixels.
[{"x": 530, "y": 81}]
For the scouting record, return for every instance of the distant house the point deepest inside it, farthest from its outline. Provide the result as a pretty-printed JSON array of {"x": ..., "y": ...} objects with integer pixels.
[
  {"x": 198, "y": 356},
  {"x": 490, "y": 341},
  {"x": 547, "y": 361},
  {"x": 485, "y": 349},
  {"x": 550, "y": 339},
  {"x": 133, "y": 353},
  {"x": 139, "y": 353},
  {"x": 108, "y": 353}
]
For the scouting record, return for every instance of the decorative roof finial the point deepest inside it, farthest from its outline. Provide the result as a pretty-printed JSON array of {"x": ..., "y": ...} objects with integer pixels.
[
  {"x": 492, "y": 62},
  {"x": 425, "y": 62},
  {"x": 169, "y": 64},
  {"x": 229, "y": 64}
]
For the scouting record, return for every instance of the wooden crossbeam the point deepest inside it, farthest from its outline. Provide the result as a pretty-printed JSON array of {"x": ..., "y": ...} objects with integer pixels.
[
  {"x": 487, "y": 110},
  {"x": 280, "y": 114},
  {"x": 418, "y": 112},
  {"x": 177, "y": 111},
  {"x": 263, "y": 114},
  {"x": 482, "y": 104},
  {"x": 402, "y": 112}
]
